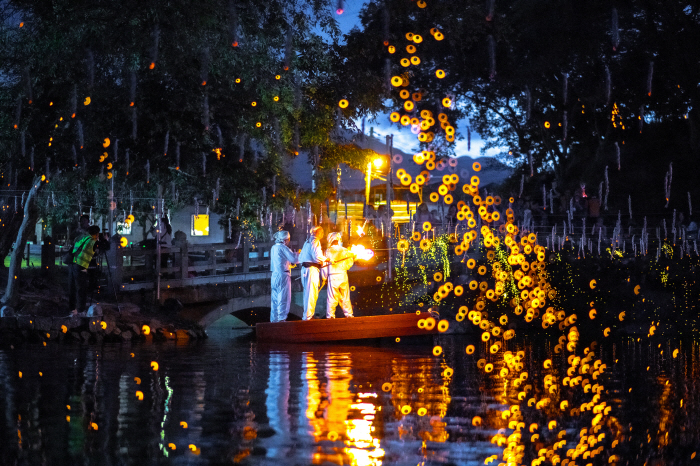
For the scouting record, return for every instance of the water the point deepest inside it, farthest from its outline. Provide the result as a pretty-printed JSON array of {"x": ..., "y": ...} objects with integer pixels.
[{"x": 230, "y": 400}]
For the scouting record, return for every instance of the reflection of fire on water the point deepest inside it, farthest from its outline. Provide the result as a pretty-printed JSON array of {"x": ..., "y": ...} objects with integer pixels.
[
  {"x": 361, "y": 253},
  {"x": 330, "y": 412}
]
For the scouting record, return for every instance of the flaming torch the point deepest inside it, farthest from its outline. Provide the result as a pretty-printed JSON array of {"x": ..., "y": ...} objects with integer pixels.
[{"x": 361, "y": 253}]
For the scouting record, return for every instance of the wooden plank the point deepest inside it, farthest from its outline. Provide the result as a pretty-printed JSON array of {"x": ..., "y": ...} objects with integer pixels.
[{"x": 398, "y": 325}]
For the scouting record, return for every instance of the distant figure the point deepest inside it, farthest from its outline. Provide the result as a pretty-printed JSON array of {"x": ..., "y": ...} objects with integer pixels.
[
  {"x": 452, "y": 215},
  {"x": 369, "y": 214},
  {"x": 311, "y": 259},
  {"x": 83, "y": 250},
  {"x": 422, "y": 214},
  {"x": 281, "y": 258},
  {"x": 337, "y": 274}
]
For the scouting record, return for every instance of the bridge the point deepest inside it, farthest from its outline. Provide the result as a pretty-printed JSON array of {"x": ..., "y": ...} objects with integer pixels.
[
  {"x": 205, "y": 282},
  {"x": 213, "y": 280}
]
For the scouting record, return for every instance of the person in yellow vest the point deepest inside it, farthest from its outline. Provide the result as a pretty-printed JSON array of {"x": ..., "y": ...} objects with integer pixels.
[
  {"x": 83, "y": 250},
  {"x": 337, "y": 275}
]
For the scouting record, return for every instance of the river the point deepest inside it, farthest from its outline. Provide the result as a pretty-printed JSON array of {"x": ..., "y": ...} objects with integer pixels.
[{"x": 230, "y": 400}]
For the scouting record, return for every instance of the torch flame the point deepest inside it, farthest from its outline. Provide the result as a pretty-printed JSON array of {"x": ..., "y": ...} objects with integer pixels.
[{"x": 361, "y": 253}]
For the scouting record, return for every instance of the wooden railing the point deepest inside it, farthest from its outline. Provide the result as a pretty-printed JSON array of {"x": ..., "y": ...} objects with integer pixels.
[{"x": 135, "y": 264}]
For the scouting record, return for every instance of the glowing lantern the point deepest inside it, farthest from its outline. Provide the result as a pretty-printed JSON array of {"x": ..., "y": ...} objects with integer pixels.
[
  {"x": 278, "y": 77},
  {"x": 592, "y": 284},
  {"x": 417, "y": 38},
  {"x": 408, "y": 105},
  {"x": 253, "y": 104},
  {"x": 87, "y": 101},
  {"x": 392, "y": 49},
  {"x": 446, "y": 102},
  {"x": 415, "y": 60},
  {"x": 258, "y": 124},
  {"x": 106, "y": 143},
  {"x": 343, "y": 103},
  {"x": 405, "y": 62},
  {"x": 396, "y": 81},
  {"x": 437, "y": 351},
  {"x": 438, "y": 36},
  {"x": 547, "y": 124},
  {"x": 154, "y": 365},
  {"x": 395, "y": 117},
  {"x": 404, "y": 94},
  {"x": 276, "y": 98},
  {"x": 434, "y": 197}
]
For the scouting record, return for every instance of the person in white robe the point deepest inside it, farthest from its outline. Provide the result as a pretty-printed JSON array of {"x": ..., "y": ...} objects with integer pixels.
[
  {"x": 312, "y": 260},
  {"x": 281, "y": 259}
]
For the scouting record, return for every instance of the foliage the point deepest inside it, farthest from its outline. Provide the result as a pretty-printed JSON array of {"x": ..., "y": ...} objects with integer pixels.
[
  {"x": 551, "y": 82},
  {"x": 206, "y": 98}
]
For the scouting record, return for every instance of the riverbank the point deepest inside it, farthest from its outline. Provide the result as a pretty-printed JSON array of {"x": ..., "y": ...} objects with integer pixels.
[{"x": 106, "y": 323}]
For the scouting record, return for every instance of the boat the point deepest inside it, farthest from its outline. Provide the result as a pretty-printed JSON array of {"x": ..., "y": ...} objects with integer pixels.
[{"x": 355, "y": 328}]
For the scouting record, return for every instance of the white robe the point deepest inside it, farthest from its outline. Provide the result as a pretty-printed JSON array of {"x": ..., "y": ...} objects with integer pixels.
[
  {"x": 338, "y": 285},
  {"x": 311, "y": 277},
  {"x": 281, "y": 257}
]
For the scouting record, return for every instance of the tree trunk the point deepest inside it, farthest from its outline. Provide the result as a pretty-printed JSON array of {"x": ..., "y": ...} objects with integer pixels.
[
  {"x": 8, "y": 234},
  {"x": 13, "y": 275}
]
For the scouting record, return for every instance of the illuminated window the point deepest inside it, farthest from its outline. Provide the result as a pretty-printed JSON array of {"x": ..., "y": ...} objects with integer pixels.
[
  {"x": 124, "y": 228},
  {"x": 200, "y": 225}
]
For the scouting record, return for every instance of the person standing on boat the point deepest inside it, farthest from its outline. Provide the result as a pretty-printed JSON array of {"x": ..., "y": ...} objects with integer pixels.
[
  {"x": 281, "y": 258},
  {"x": 337, "y": 275},
  {"x": 312, "y": 259}
]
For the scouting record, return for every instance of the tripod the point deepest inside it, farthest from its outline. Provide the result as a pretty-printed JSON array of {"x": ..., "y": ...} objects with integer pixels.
[{"x": 110, "y": 282}]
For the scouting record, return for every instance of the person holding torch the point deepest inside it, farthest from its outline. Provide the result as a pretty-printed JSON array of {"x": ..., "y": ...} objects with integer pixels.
[{"x": 337, "y": 275}]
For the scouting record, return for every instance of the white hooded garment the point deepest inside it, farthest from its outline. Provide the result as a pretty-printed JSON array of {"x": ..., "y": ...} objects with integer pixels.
[
  {"x": 311, "y": 276},
  {"x": 281, "y": 257},
  {"x": 338, "y": 285}
]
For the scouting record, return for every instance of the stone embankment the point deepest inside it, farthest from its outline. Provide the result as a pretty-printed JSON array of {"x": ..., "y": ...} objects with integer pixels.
[{"x": 102, "y": 323}]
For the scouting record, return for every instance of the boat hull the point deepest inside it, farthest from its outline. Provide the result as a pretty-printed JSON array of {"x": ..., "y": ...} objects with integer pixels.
[{"x": 356, "y": 328}]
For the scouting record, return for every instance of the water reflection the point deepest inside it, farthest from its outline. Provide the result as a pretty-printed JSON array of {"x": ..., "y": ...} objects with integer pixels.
[{"x": 230, "y": 401}]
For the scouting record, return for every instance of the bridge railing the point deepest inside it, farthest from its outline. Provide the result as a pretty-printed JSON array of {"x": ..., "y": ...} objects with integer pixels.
[{"x": 138, "y": 264}]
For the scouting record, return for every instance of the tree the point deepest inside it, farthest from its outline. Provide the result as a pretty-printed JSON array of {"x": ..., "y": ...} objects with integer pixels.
[
  {"x": 560, "y": 86},
  {"x": 204, "y": 98}
]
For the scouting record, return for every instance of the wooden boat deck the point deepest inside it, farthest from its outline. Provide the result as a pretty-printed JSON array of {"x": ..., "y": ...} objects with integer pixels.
[{"x": 356, "y": 328}]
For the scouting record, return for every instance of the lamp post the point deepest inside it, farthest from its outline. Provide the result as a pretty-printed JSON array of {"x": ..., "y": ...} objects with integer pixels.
[{"x": 377, "y": 162}]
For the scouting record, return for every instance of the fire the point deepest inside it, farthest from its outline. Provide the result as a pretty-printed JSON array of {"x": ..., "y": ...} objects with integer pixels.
[{"x": 361, "y": 253}]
